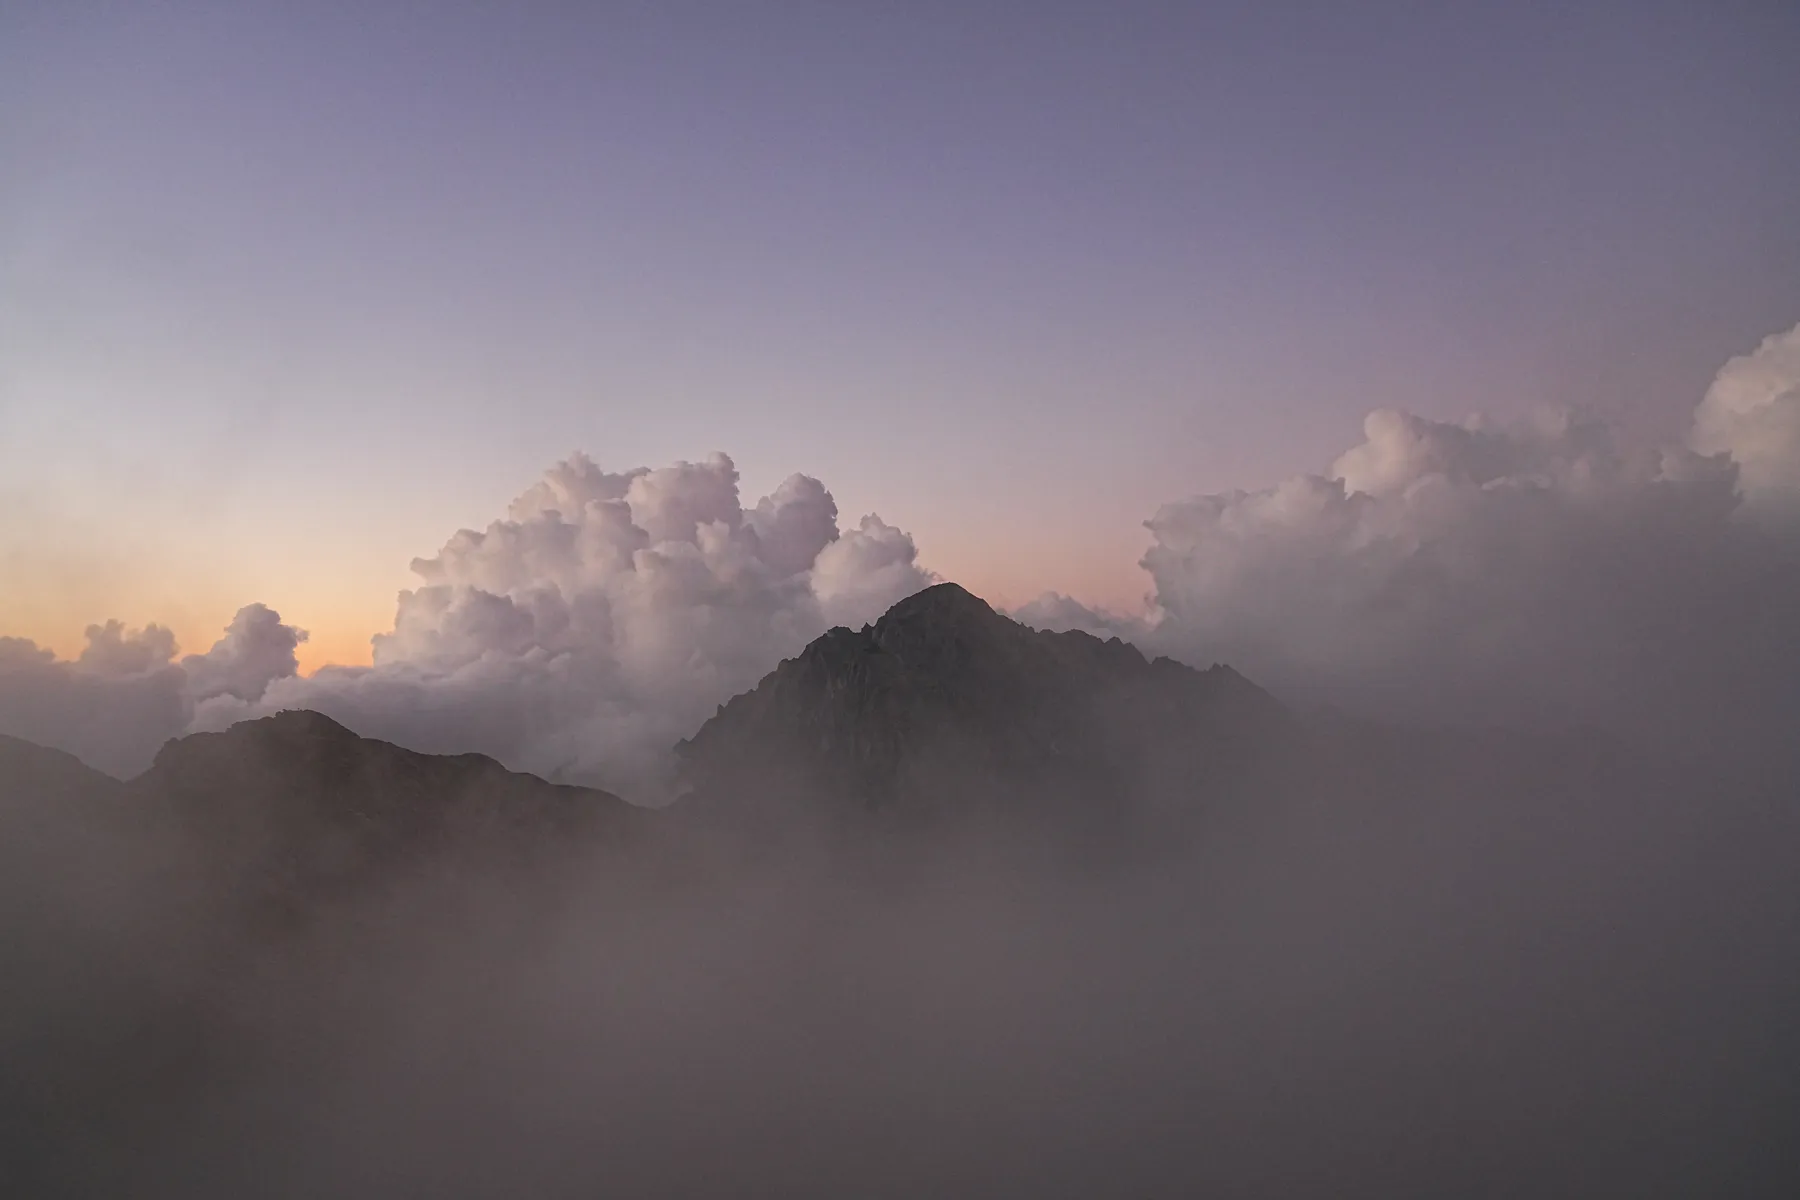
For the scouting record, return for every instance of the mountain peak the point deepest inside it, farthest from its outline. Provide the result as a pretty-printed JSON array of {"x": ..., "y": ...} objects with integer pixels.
[
  {"x": 294, "y": 723},
  {"x": 943, "y": 697},
  {"x": 293, "y": 736},
  {"x": 26, "y": 767},
  {"x": 941, "y": 602}
]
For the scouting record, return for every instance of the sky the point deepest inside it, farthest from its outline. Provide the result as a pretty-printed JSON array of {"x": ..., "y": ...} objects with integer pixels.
[{"x": 291, "y": 293}]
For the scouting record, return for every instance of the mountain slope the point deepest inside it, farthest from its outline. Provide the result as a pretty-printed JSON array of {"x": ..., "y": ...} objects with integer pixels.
[
  {"x": 30, "y": 770},
  {"x": 274, "y": 818},
  {"x": 943, "y": 703},
  {"x": 56, "y": 814},
  {"x": 301, "y": 808}
]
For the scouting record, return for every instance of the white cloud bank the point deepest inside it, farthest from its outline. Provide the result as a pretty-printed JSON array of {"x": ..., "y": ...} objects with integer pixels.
[
  {"x": 1541, "y": 571},
  {"x": 605, "y": 618}
]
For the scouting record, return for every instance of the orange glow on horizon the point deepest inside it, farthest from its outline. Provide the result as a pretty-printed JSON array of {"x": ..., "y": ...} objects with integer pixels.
[
  {"x": 337, "y": 648},
  {"x": 344, "y": 643},
  {"x": 341, "y": 622}
]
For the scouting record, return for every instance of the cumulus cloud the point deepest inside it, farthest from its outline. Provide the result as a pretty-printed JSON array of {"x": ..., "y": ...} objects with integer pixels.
[
  {"x": 606, "y": 617},
  {"x": 1541, "y": 571},
  {"x": 860, "y": 575},
  {"x": 1752, "y": 413},
  {"x": 125, "y": 694},
  {"x": 257, "y": 649}
]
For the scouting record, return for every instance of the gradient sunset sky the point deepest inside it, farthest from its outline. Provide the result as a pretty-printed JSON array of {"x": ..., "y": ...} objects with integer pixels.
[{"x": 289, "y": 293}]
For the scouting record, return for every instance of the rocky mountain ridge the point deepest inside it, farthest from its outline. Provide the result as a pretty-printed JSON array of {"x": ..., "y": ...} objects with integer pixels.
[{"x": 944, "y": 703}]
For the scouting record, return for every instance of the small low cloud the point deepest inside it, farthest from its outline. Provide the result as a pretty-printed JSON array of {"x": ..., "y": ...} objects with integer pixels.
[
  {"x": 257, "y": 649},
  {"x": 125, "y": 694},
  {"x": 1058, "y": 613}
]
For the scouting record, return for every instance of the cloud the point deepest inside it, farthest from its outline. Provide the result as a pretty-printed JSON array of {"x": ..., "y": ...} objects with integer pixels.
[
  {"x": 125, "y": 695},
  {"x": 1059, "y": 614},
  {"x": 1752, "y": 413},
  {"x": 1545, "y": 571},
  {"x": 257, "y": 649},
  {"x": 606, "y": 617},
  {"x": 1542, "y": 571},
  {"x": 860, "y": 575}
]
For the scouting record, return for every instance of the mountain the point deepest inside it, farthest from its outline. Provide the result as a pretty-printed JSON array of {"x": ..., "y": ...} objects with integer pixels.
[
  {"x": 31, "y": 771},
  {"x": 302, "y": 808},
  {"x": 302, "y": 767},
  {"x": 272, "y": 818},
  {"x": 59, "y": 819},
  {"x": 153, "y": 931},
  {"x": 945, "y": 705}
]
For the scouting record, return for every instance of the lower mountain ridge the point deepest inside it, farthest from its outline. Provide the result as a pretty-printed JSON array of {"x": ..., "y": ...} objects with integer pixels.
[{"x": 294, "y": 810}]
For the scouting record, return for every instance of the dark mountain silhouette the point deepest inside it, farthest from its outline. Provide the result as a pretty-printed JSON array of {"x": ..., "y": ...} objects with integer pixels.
[
  {"x": 29, "y": 772},
  {"x": 294, "y": 810},
  {"x": 943, "y": 707},
  {"x": 149, "y": 927},
  {"x": 943, "y": 704},
  {"x": 297, "y": 809},
  {"x": 305, "y": 769}
]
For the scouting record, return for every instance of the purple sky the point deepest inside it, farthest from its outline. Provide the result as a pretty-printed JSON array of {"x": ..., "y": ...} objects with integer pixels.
[{"x": 290, "y": 292}]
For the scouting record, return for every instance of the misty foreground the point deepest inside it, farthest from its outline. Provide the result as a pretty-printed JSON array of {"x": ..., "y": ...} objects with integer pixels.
[{"x": 949, "y": 907}]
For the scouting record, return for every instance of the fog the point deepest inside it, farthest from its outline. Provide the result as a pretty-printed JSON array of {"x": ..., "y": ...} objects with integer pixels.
[{"x": 1483, "y": 971}]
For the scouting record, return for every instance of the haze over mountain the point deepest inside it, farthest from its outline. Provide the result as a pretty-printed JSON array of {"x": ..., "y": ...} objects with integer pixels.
[
  {"x": 281, "y": 818},
  {"x": 941, "y": 710},
  {"x": 31, "y": 772},
  {"x": 290, "y": 959}
]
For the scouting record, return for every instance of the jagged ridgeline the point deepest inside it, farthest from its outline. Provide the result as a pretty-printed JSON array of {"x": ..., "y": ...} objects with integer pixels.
[
  {"x": 941, "y": 708},
  {"x": 944, "y": 703}
]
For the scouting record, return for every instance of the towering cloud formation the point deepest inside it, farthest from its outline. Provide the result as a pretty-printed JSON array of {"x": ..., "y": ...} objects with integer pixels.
[
  {"x": 1539, "y": 571},
  {"x": 606, "y": 617},
  {"x": 125, "y": 695}
]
